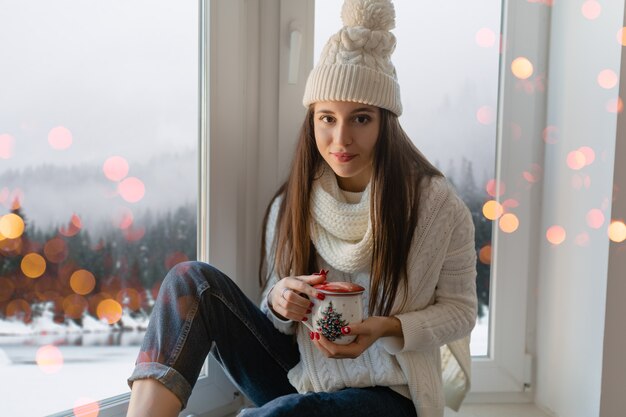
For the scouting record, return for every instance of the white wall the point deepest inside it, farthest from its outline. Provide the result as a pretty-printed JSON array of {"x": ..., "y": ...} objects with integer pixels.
[{"x": 572, "y": 277}]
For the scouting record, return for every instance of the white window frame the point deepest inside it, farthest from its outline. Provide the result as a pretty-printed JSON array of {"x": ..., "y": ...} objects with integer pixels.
[{"x": 249, "y": 131}]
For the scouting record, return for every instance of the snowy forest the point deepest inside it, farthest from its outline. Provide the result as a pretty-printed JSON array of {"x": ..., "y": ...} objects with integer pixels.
[{"x": 128, "y": 264}]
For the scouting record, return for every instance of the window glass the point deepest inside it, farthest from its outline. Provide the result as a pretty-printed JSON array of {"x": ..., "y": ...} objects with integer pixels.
[
  {"x": 98, "y": 188},
  {"x": 447, "y": 59}
]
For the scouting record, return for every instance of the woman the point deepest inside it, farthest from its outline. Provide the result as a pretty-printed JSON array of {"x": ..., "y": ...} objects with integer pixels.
[{"x": 364, "y": 204}]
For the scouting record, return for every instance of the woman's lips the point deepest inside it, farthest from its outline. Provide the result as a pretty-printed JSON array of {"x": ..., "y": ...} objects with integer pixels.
[{"x": 344, "y": 157}]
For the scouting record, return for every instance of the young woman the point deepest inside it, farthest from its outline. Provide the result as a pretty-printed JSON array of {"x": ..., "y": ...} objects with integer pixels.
[{"x": 362, "y": 203}]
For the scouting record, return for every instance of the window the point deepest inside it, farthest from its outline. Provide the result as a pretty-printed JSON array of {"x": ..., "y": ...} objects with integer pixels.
[{"x": 98, "y": 188}]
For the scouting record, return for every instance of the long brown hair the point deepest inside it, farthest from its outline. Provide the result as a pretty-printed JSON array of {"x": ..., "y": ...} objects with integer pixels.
[{"x": 397, "y": 174}]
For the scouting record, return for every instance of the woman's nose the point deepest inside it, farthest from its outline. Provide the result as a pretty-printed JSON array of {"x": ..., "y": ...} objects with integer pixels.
[{"x": 343, "y": 135}]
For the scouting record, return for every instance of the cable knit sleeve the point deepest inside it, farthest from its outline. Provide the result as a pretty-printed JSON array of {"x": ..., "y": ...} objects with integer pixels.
[
  {"x": 284, "y": 326},
  {"x": 452, "y": 314}
]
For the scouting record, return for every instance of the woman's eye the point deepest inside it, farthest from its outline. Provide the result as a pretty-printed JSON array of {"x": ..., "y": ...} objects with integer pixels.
[
  {"x": 362, "y": 119},
  {"x": 326, "y": 119}
]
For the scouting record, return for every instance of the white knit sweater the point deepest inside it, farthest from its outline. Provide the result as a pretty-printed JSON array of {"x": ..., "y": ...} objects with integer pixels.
[{"x": 440, "y": 311}]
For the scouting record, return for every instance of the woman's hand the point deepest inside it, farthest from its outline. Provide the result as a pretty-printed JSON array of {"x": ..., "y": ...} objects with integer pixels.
[
  {"x": 367, "y": 332},
  {"x": 290, "y": 297}
]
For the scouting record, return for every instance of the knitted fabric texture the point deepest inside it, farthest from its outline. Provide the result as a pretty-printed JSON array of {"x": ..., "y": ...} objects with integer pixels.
[
  {"x": 341, "y": 232},
  {"x": 355, "y": 64}
]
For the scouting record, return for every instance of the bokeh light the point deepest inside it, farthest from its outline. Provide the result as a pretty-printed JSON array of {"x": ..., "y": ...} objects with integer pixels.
[
  {"x": 509, "y": 223},
  {"x": 550, "y": 135},
  {"x": 7, "y": 288},
  {"x": 621, "y": 36},
  {"x": 522, "y": 68},
  {"x": 109, "y": 310},
  {"x": 615, "y": 105},
  {"x": 494, "y": 186},
  {"x": 576, "y": 160},
  {"x": 617, "y": 231},
  {"x": 492, "y": 210},
  {"x": 55, "y": 250},
  {"x": 589, "y": 154},
  {"x": 49, "y": 359},
  {"x": 485, "y": 115},
  {"x": 82, "y": 282},
  {"x": 72, "y": 228},
  {"x": 7, "y": 143},
  {"x": 129, "y": 297},
  {"x": 124, "y": 218},
  {"x": 591, "y": 9},
  {"x": 86, "y": 407},
  {"x": 484, "y": 255},
  {"x": 134, "y": 234},
  {"x": 33, "y": 265},
  {"x": 607, "y": 79},
  {"x": 510, "y": 203},
  {"x": 11, "y": 226},
  {"x": 174, "y": 258},
  {"x": 556, "y": 234},
  {"x": 115, "y": 168},
  {"x": 582, "y": 239},
  {"x": 131, "y": 189},
  {"x": 19, "y": 309},
  {"x": 595, "y": 218},
  {"x": 74, "y": 306},
  {"x": 485, "y": 38},
  {"x": 60, "y": 138}
]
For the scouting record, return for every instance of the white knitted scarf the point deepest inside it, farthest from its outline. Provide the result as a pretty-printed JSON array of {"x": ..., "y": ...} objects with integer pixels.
[{"x": 341, "y": 232}]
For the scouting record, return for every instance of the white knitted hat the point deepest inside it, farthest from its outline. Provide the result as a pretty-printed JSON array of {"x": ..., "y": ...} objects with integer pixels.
[{"x": 355, "y": 64}]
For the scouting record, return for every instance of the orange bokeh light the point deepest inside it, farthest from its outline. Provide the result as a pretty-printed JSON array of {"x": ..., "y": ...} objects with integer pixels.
[
  {"x": 615, "y": 105},
  {"x": 485, "y": 115},
  {"x": 591, "y": 9},
  {"x": 72, "y": 228},
  {"x": 484, "y": 255},
  {"x": 621, "y": 36},
  {"x": 556, "y": 234},
  {"x": 131, "y": 189},
  {"x": 33, "y": 265},
  {"x": 494, "y": 186},
  {"x": 617, "y": 231},
  {"x": 115, "y": 168},
  {"x": 11, "y": 226},
  {"x": 576, "y": 160},
  {"x": 60, "y": 138},
  {"x": 86, "y": 407},
  {"x": 49, "y": 359},
  {"x": 509, "y": 223},
  {"x": 130, "y": 298},
  {"x": 55, "y": 250},
  {"x": 74, "y": 306},
  {"x": 607, "y": 79},
  {"x": 19, "y": 309},
  {"x": 485, "y": 38},
  {"x": 492, "y": 210},
  {"x": 7, "y": 288},
  {"x": 595, "y": 218},
  {"x": 589, "y": 154},
  {"x": 124, "y": 218},
  {"x": 522, "y": 68},
  {"x": 109, "y": 310},
  {"x": 82, "y": 282},
  {"x": 7, "y": 143}
]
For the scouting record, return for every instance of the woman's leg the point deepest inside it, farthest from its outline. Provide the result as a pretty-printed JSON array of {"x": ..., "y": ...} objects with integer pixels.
[
  {"x": 199, "y": 307},
  {"x": 362, "y": 402}
]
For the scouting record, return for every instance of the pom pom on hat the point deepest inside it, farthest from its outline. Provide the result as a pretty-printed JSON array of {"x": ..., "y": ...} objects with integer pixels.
[
  {"x": 355, "y": 65},
  {"x": 370, "y": 14}
]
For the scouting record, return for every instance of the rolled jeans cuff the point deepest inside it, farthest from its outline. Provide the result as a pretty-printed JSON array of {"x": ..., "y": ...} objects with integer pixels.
[{"x": 166, "y": 375}]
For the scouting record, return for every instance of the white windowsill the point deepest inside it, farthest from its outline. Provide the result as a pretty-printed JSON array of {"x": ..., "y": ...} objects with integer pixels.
[{"x": 497, "y": 410}]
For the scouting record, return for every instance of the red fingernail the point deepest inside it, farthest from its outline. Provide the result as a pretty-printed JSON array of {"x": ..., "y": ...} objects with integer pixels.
[
  {"x": 345, "y": 330},
  {"x": 311, "y": 306},
  {"x": 317, "y": 336},
  {"x": 312, "y": 335},
  {"x": 320, "y": 296},
  {"x": 308, "y": 312},
  {"x": 304, "y": 319}
]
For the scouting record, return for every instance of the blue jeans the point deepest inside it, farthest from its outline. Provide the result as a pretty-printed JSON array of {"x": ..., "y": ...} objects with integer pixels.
[{"x": 200, "y": 311}]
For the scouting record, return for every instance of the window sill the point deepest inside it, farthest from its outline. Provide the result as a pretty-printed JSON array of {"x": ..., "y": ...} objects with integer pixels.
[{"x": 497, "y": 410}]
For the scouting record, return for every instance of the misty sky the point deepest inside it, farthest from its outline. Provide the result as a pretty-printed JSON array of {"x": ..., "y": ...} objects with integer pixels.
[{"x": 122, "y": 76}]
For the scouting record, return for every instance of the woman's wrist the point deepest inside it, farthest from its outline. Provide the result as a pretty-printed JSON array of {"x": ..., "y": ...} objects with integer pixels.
[{"x": 392, "y": 327}]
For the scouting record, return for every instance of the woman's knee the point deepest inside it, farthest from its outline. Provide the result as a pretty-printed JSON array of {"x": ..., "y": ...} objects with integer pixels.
[{"x": 193, "y": 278}]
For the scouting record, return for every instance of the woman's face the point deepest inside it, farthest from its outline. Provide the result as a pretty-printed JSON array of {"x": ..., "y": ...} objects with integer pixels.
[{"x": 346, "y": 134}]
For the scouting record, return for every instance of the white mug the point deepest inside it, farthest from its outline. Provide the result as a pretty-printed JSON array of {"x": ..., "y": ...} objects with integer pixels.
[{"x": 342, "y": 306}]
